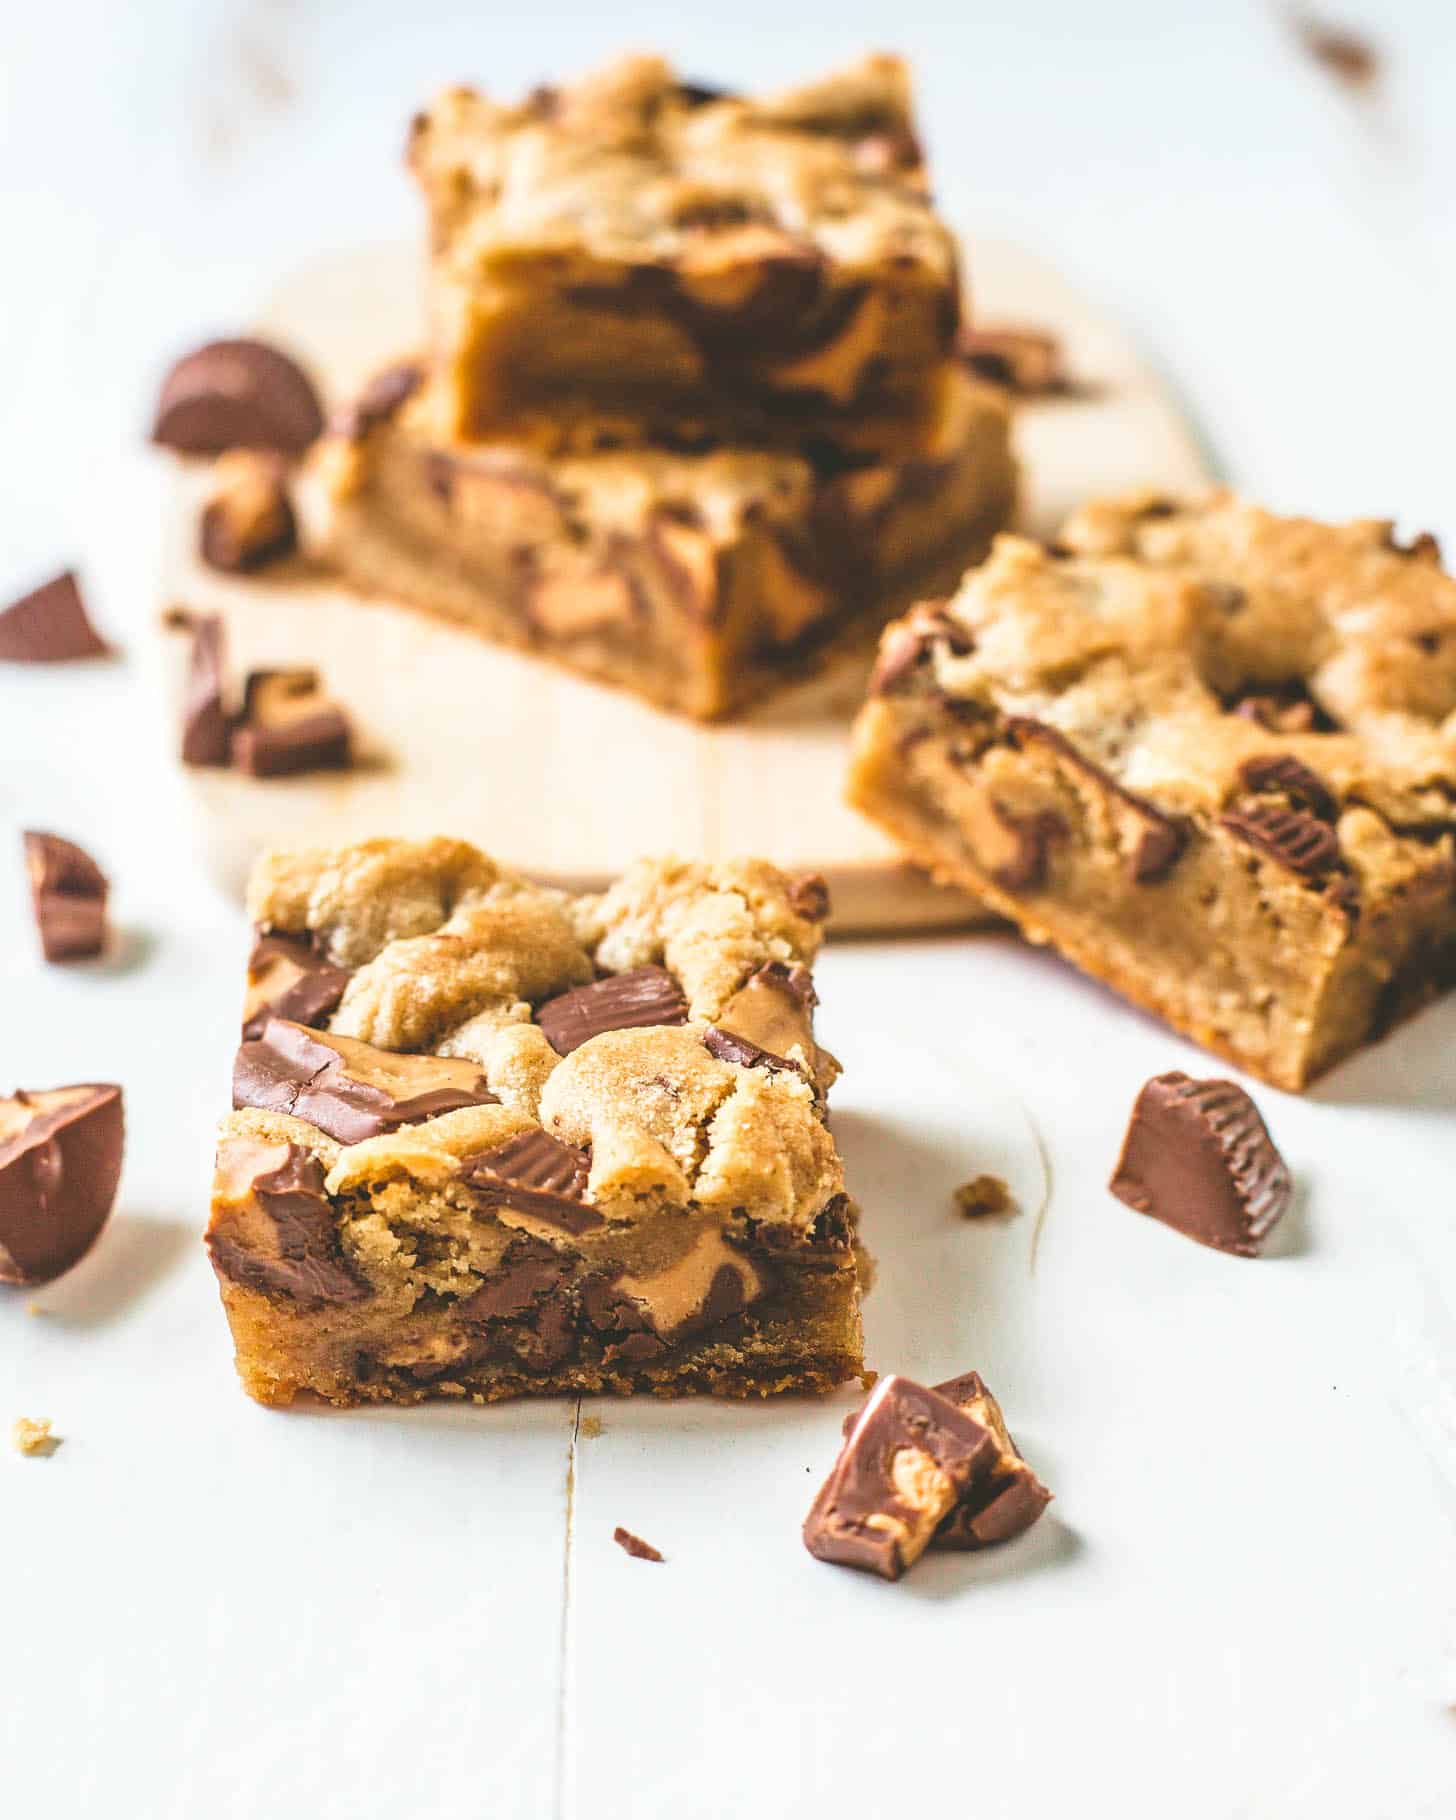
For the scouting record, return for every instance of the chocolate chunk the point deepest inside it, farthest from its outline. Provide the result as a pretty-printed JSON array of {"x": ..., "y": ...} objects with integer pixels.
[
  {"x": 1282, "y": 773},
  {"x": 809, "y": 896},
  {"x": 529, "y": 1270},
  {"x": 768, "y": 1017},
  {"x": 908, "y": 1458},
  {"x": 60, "y": 1162},
  {"x": 247, "y": 521},
  {"x": 1198, "y": 1156},
  {"x": 288, "y": 977},
  {"x": 1034, "y": 835},
  {"x": 380, "y": 399},
  {"x": 1004, "y": 1496},
  {"x": 535, "y": 1174},
  {"x": 618, "y": 1321},
  {"x": 1298, "y": 840},
  {"x": 239, "y": 394},
  {"x": 827, "y": 1244},
  {"x": 68, "y": 895},
  {"x": 274, "y": 1228},
  {"x": 622, "y": 1001},
  {"x": 288, "y": 725},
  {"x": 909, "y": 643},
  {"x": 1026, "y": 361},
  {"x": 205, "y": 719},
  {"x": 634, "y": 1545},
  {"x": 50, "y": 626},
  {"x": 699, "y": 94},
  {"x": 349, "y": 1089},
  {"x": 1155, "y": 839}
]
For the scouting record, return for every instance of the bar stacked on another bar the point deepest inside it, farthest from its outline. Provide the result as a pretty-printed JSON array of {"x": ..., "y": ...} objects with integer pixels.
[
  {"x": 490, "y": 1139},
  {"x": 1206, "y": 752},
  {"x": 692, "y": 402}
]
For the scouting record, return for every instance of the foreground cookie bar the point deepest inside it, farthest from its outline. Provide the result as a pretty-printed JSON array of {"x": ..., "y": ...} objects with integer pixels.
[
  {"x": 636, "y": 245},
  {"x": 1208, "y": 753},
  {"x": 491, "y": 1139},
  {"x": 698, "y": 580}
]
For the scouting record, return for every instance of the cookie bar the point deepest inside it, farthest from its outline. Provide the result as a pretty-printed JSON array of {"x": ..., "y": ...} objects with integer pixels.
[
  {"x": 490, "y": 1139},
  {"x": 697, "y": 580},
  {"x": 1207, "y": 753},
  {"x": 633, "y": 244}
]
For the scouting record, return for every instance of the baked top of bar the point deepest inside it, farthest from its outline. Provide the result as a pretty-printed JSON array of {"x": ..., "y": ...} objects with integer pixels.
[
  {"x": 633, "y": 166},
  {"x": 438, "y": 1035},
  {"x": 1208, "y": 657}
]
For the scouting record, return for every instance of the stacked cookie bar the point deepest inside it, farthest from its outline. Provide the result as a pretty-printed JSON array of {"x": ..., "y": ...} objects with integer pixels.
[
  {"x": 691, "y": 403},
  {"x": 490, "y": 1138}
]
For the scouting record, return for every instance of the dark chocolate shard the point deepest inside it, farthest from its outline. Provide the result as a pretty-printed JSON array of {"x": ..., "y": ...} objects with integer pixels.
[
  {"x": 1198, "y": 1156},
  {"x": 529, "y": 1271},
  {"x": 536, "y": 1174},
  {"x": 237, "y": 394},
  {"x": 1154, "y": 839},
  {"x": 1296, "y": 839},
  {"x": 60, "y": 1163},
  {"x": 908, "y": 644},
  {"x": 1282, "y": 774},
  {"x": 247, "y": 522},
  {"x": 50, "y": 626},
  {"x": 908, "y": 1458},
  {"x": 288, "y": 977},
  {"x": 1033, "y": 837},
  {"x": 635, "y": 1546},
  {"x": 1024, "y": 360},
  {"x": 349, "y": 1089},
  {"x": 809, "y": 897},
  {"x": 289, "y": 726},
  {"x": 643, "y": 997},
  {"x": 380, "y": 400},
  {"x": 206, "y": 723},
  {"x": 274, "y": 1229},
  {"x": 68, "y": 893}
]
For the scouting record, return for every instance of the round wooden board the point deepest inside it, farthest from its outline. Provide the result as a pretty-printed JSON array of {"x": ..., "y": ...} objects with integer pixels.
[{"x": 569, "y": 781}]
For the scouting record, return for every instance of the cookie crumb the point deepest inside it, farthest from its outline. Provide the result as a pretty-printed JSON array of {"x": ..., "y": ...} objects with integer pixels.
[
  {"x": 987, "y": 1197},
  {"x": 32, "y": 1435},
  {"x": 634, "y": 1545},
  {"x": 591, "y": 1427},
  {"x": 1349, "y": 57},
  {"x": 34, "y": 1308}
]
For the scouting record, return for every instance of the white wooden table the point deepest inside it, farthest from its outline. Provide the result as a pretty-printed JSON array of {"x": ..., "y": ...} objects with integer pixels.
[{"x": 1242, "y": 1602}]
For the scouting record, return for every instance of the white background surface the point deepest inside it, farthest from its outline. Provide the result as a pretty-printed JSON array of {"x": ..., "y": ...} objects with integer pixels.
[{"x": 1241, "y": 1604}]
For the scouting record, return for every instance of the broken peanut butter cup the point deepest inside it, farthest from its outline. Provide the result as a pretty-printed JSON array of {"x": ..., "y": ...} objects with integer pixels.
[
  {"x": 237, "y": 394},
  {"x": 288, "y": 977},
  {"x": 68, "y": 892},
  {"x": 288, "y": 725},
  {"x": 50, "y": 626},
  {"x": 622, "y": 1001},
  {"x": 60, "y": 1163},
  {"x": 273, "y": 1228}
]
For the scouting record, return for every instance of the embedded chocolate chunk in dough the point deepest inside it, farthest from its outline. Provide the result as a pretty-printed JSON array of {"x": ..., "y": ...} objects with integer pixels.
[
  {"x": 907, "y": 1459},
  {"x": 1026, "y": 361},
  {"x": 1280, "y": 773},
  {"x": 909, "y": 643},
  {"x": 769, "y": 1023},
  {"x": 237, "y": 394},
  {"x": 1198, "y": 1156},
  {"x": 809, "y": 896},
  {"x": 1152, "y": 839},
  {"x": 60, "y": 1163},
  {"x": 288, "y": 725},
  {"x": 708, "y": 1284},
  {"x": 622, "y": 1001},
  {"x": 529, "y": 1272},
  {"x": 1003, "y": 1496},
  {"x": 346, "y": 1088},
  {"x": 247, "y": 520},
  {"x": 273, "y": 1228},
  {"x": 385, "y": 393},
  {"x": 536, "y": 1175},
  {"x": 289, "y": 977},
  {"x": 50, "y": 626},
  {"x": 634, "y": 1545},
  {"x": 1296, "y": 839},
  {"x": 206, "y": 723},
  {"x": 68, "y": 893}
]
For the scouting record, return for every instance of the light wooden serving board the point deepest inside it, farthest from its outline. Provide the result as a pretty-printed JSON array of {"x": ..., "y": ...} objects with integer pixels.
[{"x": 565, "y": 779}]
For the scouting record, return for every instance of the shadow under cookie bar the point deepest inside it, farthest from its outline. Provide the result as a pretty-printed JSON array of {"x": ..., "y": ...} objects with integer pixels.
[
  {"x": 701, "y": 581},
  {"x": 636, "y": 246},
  {"x": 565, "y": 1175},
  {"x": 1229, "y": 804}
]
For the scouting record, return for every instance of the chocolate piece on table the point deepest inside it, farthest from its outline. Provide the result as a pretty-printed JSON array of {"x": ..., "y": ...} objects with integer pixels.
[
  {"x": 289, "y": 977},
  {"x": 634, "y": 1545},
  {"x": 349, "y": 1089},
  {"x": 1026, "y": 361},
  {"x": 537, "y": 1175},
  {"x": 60, "y": 1163},
  {"x": 247, "y": 520},
  {"x": 643, "y": 997},
  {"x": 288, "y": 725},
  {"x": 68, "y": 893},
  {"x": 1198, "y": 1156},
  {"x": 905, "y": 1463},
  {"x": 206, "y": 722},
  {"x": 1003, "y": 1497},
  {"x": 50, "y": 626},
  {"x": 237, "y": 394},
  {"x": 273, "y": 1228}
]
